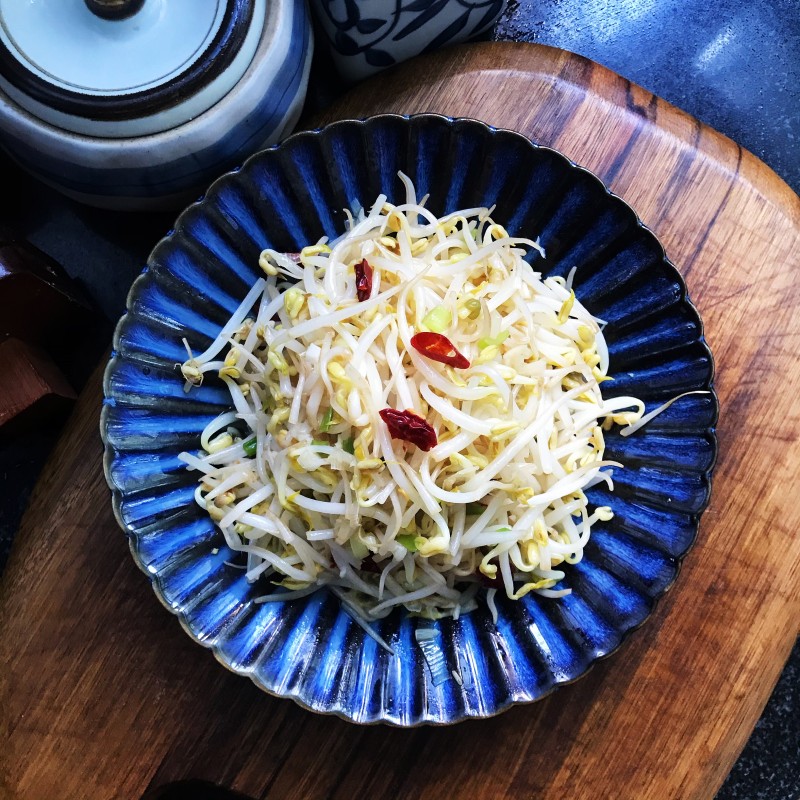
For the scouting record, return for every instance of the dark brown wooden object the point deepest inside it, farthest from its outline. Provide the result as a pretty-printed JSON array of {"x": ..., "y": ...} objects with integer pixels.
[
  {"x": 32, "y": 388},
  {"x": 43, "y": 316},
  {"x": 38, "y": 302},
  {"x": 102, "y": 695}
]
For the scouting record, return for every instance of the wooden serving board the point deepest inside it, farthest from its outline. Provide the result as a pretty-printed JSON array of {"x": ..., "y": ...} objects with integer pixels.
[{"x": 104, "y": 696}]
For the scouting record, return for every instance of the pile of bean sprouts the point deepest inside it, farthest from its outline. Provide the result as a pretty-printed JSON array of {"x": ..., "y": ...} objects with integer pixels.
[{"x": 303, "y": 475}]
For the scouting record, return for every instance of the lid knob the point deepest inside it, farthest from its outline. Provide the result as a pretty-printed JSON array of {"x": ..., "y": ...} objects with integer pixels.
[{"x": 114, "y": 9}]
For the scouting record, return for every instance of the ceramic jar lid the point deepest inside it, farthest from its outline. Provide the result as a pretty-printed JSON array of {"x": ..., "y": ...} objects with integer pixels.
[{"x": 68, "y": 63}]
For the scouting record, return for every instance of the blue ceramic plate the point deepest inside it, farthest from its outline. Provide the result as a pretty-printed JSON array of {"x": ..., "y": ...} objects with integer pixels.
[{"x": 310, "y": 650}]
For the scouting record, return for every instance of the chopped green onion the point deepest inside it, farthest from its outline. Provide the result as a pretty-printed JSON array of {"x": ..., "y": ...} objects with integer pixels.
[
  {"x": 359, "y": 549},
  {"x": 327, "y": 421},
  {"x": 475, "y": 509},
  {"x": 348, "y": 445},
  {"x": 473, "y": 308},
  {"x": 438, "y": 319},
  {"x": 492, "y": 341},
  {"x": 319, "y": 442},
  {"x": 408, "y": 540},
  {"x": 250, "y": 447}
]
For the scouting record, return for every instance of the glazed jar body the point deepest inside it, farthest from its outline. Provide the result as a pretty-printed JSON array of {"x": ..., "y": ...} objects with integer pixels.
[{"x": 156, "y": 145}]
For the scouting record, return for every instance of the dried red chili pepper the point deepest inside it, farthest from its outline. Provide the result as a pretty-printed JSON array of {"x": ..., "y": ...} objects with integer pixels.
[
  {"x": 363, "y": 280},
  {"x": 439, "y": 348},
  {"x": 409, "y": 427}
]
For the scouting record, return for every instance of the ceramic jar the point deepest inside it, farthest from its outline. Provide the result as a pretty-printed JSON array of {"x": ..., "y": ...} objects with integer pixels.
[
  {"x": 366, "y": 36},
  {"x": 141, "y": 103}
]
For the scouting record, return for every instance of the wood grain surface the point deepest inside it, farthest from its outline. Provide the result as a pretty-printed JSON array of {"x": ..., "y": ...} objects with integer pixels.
[{"x": 104, "y": 696}]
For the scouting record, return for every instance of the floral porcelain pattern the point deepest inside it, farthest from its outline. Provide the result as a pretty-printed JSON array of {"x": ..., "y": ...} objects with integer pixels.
[{"x": 369, "y": 35}]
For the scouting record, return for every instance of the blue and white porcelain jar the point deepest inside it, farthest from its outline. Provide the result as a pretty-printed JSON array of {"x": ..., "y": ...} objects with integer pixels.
[
  {"x": 366, "y": 36},
  {"x": 140, "y": 103}
]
